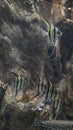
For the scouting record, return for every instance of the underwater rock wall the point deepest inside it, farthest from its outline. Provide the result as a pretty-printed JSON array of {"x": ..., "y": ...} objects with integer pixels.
[
  {"x": 23, "y": 50},
  {"x": 21, "y": 42},
  {"x": 66, "y": 41}
]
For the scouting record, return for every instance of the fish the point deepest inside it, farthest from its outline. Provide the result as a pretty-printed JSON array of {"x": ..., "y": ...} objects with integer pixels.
[
  {"x": 56, "y": 100},
  {"x": 42, "y": 87},
  {"x": 52, "y": 99},
  {"x": 53, "y": 35},
  {"x": 53, "y": 32},
  {"x": 45, "y": 87},
  {"x": 19, "y": 83}
]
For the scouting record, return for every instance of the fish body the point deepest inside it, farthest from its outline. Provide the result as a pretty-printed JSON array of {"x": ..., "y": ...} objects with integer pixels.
[
  {"x": 56, "y": 100},
  {"x": 19, "y": 83},
  {"x": 52, "y": 32},
  {"x": 54, "y": 35},
  {"x": 52, "y": 98},
  {"x": 42, "y": 87}
]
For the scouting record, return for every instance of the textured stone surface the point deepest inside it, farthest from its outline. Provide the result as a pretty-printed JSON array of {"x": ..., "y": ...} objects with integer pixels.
[{"x": 24, "y": 50}]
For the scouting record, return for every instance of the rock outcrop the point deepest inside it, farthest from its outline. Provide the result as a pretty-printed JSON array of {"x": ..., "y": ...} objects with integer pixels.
[{"x": 25, "y": 51}]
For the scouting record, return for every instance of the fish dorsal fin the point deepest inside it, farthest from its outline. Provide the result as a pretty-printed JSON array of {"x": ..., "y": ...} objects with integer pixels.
[{"x": 48, "y": 23}]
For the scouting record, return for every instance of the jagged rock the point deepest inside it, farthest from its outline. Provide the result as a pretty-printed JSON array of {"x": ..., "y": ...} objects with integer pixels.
[
  {"x": 66, "y": 46},
  {"x": 24, "y": 50},
  {"x": 15, "y": 117},
  {"x": 17, "y": 40}
]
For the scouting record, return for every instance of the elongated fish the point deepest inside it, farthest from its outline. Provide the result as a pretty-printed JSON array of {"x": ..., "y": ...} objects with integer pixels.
[
  {"x": 19, "y": 83},
  {"x": 53, "y": 32}
]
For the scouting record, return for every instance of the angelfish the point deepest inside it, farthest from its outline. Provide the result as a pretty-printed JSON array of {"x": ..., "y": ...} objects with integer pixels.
[
  {"x": 19, "y": 83},
  {"x": 53, "y": 33}
]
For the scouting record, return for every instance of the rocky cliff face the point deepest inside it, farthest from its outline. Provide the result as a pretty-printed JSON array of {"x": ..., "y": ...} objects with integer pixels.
[
  {"x": 57, "y": 9},
  {"x": 24, "y": 51},
  {"x": 19, "y": 29}
]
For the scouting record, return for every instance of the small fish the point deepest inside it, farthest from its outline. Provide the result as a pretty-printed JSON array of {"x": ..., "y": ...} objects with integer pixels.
[
  {"x": 57, "y": 105},
  {"x": 19, "y": 83},
  {"x": 42, "y": 87},
  {"x": 53, "y": 32},
  {"x": 56, "y": 100},
  {"x": 58, "y": 108},
  {"x": 49, "y": 91}
]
